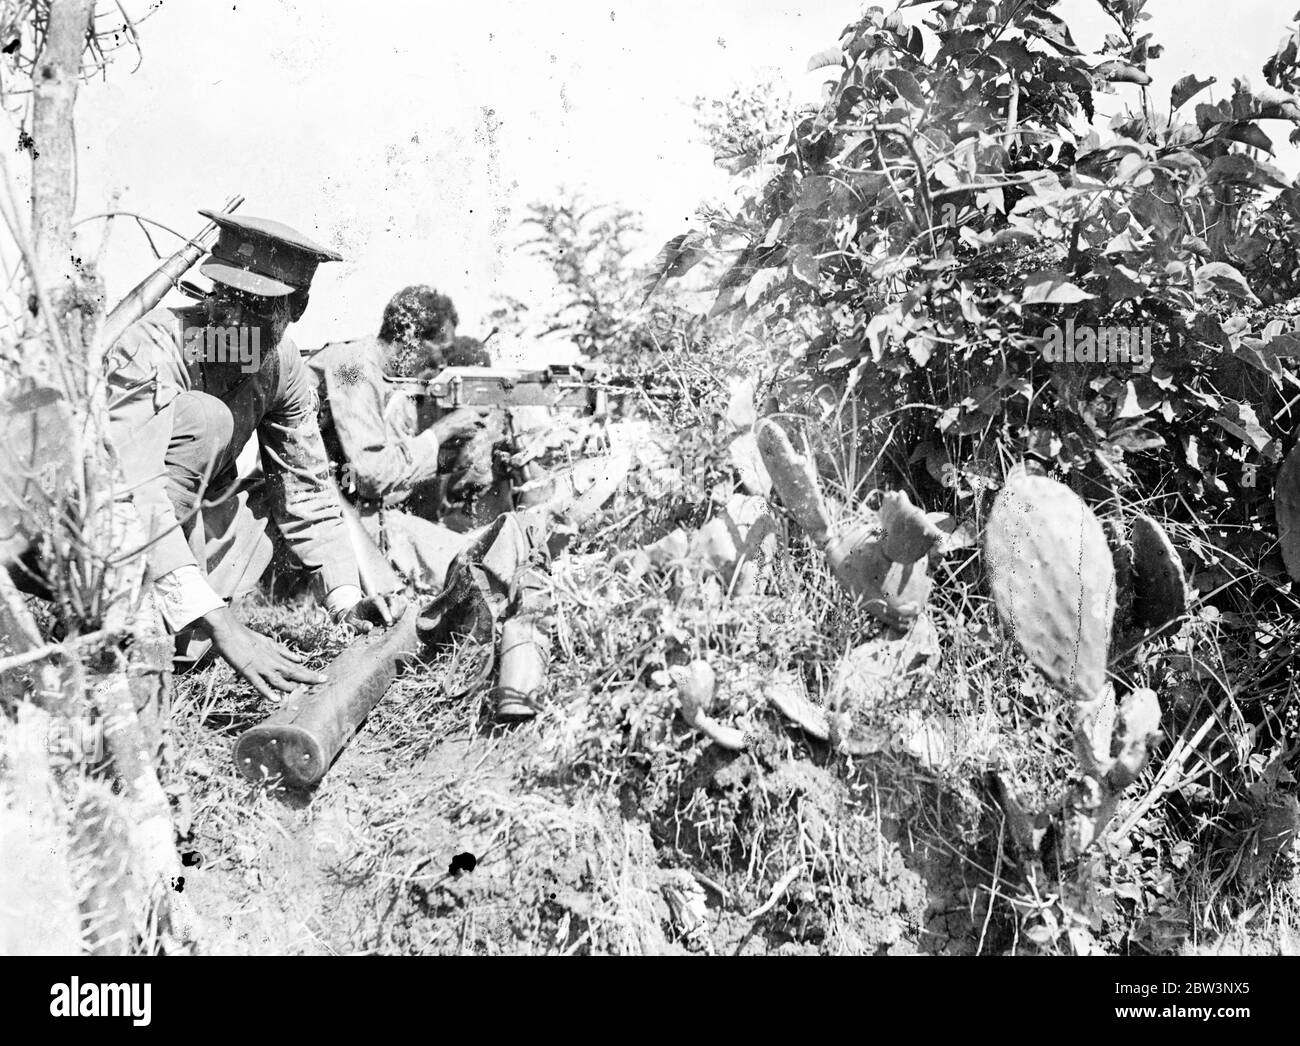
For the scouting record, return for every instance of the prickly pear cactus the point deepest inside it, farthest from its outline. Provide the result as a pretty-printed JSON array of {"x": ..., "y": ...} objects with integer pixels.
[
  {"x": 883, "y": 561},
  {"x": 909, "y": 534},
  {"x": 1054, "y": 585},
  {"x": 696, "y": 689},
  {"x": 1053, "y": 581},
  {"x": 1286, "y": 503},
  {"x": 795, "y": 478},
  {"x": 894, "y": 593},
  {"x": 1159, "y": 583}
]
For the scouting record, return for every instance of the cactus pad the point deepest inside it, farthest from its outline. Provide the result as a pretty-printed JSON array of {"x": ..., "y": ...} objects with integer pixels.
[
  {"x": 787, "y": 692},
  {"x": 795, "y": 478},
  {"x": 909, "y": 534},
  {"x": 1286, "y": 503},
  {"x": 1136, "y": 727},
  {"x": 1159, "y": 584},
  {"x": 1053, "y": 581},
  {"x": 894, "y": 593}
]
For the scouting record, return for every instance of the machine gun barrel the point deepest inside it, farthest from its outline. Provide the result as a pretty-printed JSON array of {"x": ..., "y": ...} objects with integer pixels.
[{"x": 559, "y": 386}]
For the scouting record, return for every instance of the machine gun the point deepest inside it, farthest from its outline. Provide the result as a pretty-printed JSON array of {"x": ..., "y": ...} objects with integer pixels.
[{"x": 556, "y": 386}]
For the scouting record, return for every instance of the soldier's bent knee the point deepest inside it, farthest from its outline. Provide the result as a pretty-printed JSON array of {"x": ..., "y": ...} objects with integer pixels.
[
  {"x": 199, "y": 447},
  {"x": 202, "y": 421}
]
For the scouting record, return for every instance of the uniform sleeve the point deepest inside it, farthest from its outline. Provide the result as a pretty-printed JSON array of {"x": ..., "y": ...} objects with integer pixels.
[
  {"x": 184, "y": 596},
  {"x": 140, "y": 395},
  {"x": 304, "y": 500},
  {"x": 383, "y": 459}
]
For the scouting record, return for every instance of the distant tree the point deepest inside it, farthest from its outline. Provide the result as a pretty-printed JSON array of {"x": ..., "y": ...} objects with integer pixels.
[
  {"x": 747, "y": 127},
  {"x": 586, "y": 247}
]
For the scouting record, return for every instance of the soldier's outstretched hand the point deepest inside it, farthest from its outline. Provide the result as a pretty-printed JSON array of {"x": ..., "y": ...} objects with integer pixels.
[
  {"x": 269, "y": 667},
  {"x": 375, "y": 612}
]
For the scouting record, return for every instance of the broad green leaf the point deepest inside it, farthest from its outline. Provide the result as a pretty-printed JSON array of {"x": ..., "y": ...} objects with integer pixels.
[
  {"x": 1235, "y": 168},
  {"x": 1224, "y": 279},
  {"x": 1121, "y": 244},
  {"x": 878, "y": 330},
  {"x": 991, "y": 200},
  {"x": 1272, "y": 104},
  {"x": 1185, "y": 88},
  {"x": 1240, "y": 420},
  {"x": 1051, "y": 287},
  {"x": 803, "y": 264},
  {"x": 1130, "y": 408},
  {"x": 914, "y": 42},
  {"x": 1284, "y": 345},
  {"x": 1257, "y": 354},
  {"x": 725, "y": 302},
  {"x": 1247, "y": 133},
  {"x": 677, "y": 257},
  {"x": 946, "y": 173},
  {"x": 921, "y": 347},
  {"x": 1121, "y": 72},
  {"x": 1052, "y": 29},
  {"x": 822, "y": 59},
  {"x": 740, "y": 404},
  {"x": 1013, "y": 54},
  {"x": 905, "y": 84},
  {"x": 1134, "y": 168}
]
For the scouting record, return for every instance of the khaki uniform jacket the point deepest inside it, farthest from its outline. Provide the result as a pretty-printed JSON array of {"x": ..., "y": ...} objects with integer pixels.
[
  {"x": 373, "y": 424},
  {"x": 149, "y": 367}
]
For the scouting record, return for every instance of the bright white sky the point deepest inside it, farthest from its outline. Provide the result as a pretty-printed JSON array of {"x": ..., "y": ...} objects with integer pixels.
[{"x": 410, "y": 135}]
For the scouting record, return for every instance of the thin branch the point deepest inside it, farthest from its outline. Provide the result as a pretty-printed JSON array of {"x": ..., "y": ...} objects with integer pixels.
[{"x": 74, "y": 648}]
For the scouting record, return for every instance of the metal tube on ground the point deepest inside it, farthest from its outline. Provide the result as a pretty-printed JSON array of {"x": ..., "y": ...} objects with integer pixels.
[{"x": 299, "y": 742}]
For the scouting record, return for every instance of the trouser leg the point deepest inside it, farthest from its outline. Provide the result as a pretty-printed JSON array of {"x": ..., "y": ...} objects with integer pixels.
[
  {"x": 420, "y": 550},
  {"x": 237, "y": 546},
  {"x": 232, "y": 545},
  {"x": 228, "y": 534},
  {"x": 198, "y": 451}
]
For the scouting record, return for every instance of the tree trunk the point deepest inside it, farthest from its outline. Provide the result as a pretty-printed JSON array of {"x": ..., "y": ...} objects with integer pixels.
[
  {"x": 117, "y": 684},
  {"x": 54, "y": 95}
]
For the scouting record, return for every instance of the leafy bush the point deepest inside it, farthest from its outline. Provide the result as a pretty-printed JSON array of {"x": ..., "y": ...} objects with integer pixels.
[{"x": 926, "y": 227}]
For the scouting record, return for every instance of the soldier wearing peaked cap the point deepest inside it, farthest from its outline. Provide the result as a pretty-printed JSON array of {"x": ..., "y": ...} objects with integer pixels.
[{"x": 188, "y": 388}]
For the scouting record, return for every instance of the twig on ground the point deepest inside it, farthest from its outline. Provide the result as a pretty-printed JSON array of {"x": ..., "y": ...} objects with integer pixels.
[{"x": 782, "y": 885}]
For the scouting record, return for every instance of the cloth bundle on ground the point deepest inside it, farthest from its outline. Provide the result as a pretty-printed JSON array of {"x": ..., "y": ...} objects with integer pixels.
[{"x": 499, "y": 581}]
